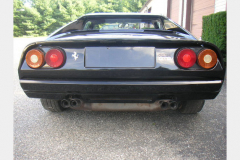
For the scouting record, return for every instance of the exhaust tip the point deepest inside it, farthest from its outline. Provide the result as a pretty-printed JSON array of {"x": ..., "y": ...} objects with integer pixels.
[
  {"x": 65, "y": 103},
  {"x": 76, "y": 103},
  {"x": 168, "y": 104},
  {"x": 165, "y": 105},
  {"x": 173, "y": 105},
  {"x": 73, "y": 103}
]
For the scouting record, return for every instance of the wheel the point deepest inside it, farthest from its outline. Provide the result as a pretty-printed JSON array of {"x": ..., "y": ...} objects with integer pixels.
[
  {"x": 52, "y": 105},
  {"x": 191, "y": 107}
]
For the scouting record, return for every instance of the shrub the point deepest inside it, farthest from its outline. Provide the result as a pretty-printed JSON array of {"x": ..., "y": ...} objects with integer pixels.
[{"x": 214, "y": 30}]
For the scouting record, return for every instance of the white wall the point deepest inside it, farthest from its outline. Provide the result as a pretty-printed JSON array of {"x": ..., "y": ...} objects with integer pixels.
[
  {"x": 158, "y": 7},
  {"x": 220, "y": 5}
]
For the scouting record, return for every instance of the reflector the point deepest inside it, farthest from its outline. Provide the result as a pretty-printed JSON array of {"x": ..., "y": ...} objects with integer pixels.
[
  {"x": 35, "y": 58},
  {"x": 55, "y": 58},
  {"x": 207, "y": 58}
]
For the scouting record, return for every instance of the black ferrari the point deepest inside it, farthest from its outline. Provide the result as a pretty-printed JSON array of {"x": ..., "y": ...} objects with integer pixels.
[{"x": 122, "y": 62}]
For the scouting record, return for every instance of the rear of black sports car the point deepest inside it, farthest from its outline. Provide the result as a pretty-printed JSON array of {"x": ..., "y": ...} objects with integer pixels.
[{"x": 122, "y": 62}]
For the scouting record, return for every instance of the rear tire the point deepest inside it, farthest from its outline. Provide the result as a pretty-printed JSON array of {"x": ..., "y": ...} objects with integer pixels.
[
  {"x": 52, "y": 105},
  {"x": 191, "y": 107}
]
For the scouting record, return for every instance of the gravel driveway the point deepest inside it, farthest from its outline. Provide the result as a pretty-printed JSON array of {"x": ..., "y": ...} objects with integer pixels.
[{"x": 39, "y": 134}]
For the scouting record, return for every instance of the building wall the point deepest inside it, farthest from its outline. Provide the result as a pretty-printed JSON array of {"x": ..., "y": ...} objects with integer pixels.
[
  {"x": 200, "y": 9},
  {"x": 187, "y": 13},
  {"x": 174, "y": 10},
  {"x": 180, "y": 12},
  {"x": 157, "y": 7},
  {"x": 220, "y": 5}
]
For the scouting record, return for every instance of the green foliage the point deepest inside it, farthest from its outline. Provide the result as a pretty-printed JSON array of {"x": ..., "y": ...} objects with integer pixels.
[
  {"x": 45, "y": 16},
  {"x": 214, "y": 30}
]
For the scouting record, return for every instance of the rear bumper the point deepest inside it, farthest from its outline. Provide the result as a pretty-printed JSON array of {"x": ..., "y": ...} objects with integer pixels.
[{"x": 122, "y": 91}]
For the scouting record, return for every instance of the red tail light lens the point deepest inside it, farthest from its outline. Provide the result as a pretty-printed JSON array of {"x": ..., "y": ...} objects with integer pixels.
[
  {"x": 207, "y": 58},
  {"x": 55, "y": 58},
  {"x": 35, "y": 58},
  {"x": 186, "y": 58}
]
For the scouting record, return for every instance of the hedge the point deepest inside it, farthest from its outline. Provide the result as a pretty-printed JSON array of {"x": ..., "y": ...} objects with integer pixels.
[{"x": 214, "y": 30}]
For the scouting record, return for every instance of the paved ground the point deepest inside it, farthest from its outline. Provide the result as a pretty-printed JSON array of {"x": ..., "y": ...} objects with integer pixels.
[{"x": 39, "y": 134}]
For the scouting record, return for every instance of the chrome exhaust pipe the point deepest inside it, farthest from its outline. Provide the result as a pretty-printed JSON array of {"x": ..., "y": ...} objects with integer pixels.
[
  {"x": 65, "y": 103},
  {"x": 75, "y": 103},
  {"x": 173, "y": 105},
  {"x": 168, "y": 104},
  {"x": 164, "y": 104}
]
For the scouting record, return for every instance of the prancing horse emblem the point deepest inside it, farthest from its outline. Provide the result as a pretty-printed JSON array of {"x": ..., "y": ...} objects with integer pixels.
[{"x": 75, "y": 56}]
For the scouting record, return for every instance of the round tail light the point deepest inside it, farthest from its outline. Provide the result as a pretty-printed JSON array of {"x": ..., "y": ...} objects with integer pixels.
[
  {"x": 186, "y": 58},
  {"x": 55, "y": 58},
  {"x": 207, "y": 58},
  {"x": 35, "y": 58}
]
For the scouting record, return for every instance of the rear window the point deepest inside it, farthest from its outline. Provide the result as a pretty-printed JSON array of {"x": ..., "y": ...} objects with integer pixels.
[
  {"x": 169, "y": 25},
  {"x": 122, "y": 23},
  {"x": 119, "y": 24}
]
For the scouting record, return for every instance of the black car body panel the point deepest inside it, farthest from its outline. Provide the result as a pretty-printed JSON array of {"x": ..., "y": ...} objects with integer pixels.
[{"x": 121, "y": 66}]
